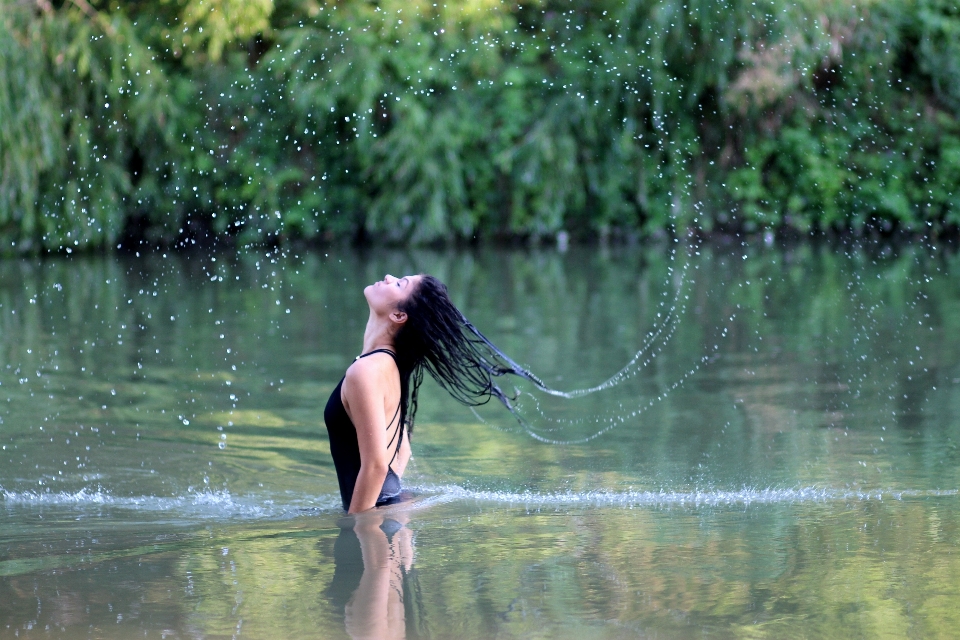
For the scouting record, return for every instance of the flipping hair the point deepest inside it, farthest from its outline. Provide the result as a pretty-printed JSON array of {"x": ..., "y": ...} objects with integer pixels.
[{"x": 438, "y": 338}]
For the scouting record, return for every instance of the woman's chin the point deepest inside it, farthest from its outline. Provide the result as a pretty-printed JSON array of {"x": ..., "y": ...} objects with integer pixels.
[{"x": 370, "y": 293}]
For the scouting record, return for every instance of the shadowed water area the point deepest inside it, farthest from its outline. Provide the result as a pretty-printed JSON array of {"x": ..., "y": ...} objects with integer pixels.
[{"x": 781, "y": 461}]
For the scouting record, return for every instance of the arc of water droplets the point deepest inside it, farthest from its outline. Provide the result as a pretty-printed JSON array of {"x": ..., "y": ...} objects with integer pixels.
[
  {"x": 672, "y": 329},
  {"x": 613, "y": 421},
  {"x": 616, "y": 420},
  {"x": 629, "y": 370},
  {"x": 670, "y": 323}
]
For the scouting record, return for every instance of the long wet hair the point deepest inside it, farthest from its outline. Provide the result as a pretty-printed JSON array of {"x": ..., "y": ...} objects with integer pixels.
[{"x": 437, "y": 338}]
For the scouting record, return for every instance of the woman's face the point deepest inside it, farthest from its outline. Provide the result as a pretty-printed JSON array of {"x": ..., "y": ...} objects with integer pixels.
[{"x": 387, "y": 294}]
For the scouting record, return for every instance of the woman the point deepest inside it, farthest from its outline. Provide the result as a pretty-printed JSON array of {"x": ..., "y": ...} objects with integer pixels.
[{"x": 413, "y": 326}]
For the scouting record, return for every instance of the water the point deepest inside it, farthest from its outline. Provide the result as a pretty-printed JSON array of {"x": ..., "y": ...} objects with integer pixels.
[{"x": 165, "y": 471}]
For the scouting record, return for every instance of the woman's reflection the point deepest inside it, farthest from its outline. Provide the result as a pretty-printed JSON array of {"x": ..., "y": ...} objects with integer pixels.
[{"x": 374, "y": 582}]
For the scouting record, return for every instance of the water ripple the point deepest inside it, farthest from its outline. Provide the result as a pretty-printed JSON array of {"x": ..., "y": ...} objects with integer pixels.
[
  {"x": 744, "y": 496},
  {"x": 200, "y": 504},
  {"x": 222, "y": 504}
]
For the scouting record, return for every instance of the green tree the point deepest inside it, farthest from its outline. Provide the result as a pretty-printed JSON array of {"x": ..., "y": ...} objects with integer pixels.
[{"x": 412, "y": 123}]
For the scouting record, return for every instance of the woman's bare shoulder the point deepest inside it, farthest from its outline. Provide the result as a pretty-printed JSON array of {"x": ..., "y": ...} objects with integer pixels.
[{"x": 371, "y": 369}]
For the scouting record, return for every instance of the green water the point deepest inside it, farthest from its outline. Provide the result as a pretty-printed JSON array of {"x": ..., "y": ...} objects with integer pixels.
[{"x": 165, "y": 470}]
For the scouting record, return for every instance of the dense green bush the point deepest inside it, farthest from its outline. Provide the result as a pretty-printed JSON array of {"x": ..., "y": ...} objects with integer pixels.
[{"x": 411, "y": 121}]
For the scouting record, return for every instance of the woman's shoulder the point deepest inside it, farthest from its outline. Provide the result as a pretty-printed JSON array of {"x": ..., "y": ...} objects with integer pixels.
[{"x": 372, "y": 367}]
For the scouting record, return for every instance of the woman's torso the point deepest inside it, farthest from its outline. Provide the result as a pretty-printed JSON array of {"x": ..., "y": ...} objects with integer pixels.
[{"x": 345, "y": 449}]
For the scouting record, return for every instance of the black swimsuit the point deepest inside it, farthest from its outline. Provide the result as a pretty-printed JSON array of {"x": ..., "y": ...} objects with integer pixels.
[{"x": 346, "y": 450}]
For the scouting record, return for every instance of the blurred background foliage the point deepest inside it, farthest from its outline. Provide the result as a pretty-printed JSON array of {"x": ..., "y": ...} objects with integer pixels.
[{"x": 183, "y": 121}]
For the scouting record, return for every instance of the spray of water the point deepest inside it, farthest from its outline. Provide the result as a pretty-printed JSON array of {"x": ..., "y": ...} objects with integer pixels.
[
  {"x": 222, "y": 504},
  {"x": 663, "y": 329},
  {"x": 653, "y": 345}
]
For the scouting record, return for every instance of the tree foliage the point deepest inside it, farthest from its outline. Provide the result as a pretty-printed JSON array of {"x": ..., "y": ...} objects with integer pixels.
[{"x": 411, "y": 121}]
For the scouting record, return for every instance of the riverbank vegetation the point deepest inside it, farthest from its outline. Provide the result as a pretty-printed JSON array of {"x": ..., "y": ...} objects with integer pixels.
[{"x": 421, "y": 122}]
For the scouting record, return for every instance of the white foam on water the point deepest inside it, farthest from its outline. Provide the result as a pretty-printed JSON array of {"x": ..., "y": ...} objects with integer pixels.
[
  {"x": 218, "y": 505},
  {"x": 744, "y": 496},
  {"x": 200, "y": 504}
]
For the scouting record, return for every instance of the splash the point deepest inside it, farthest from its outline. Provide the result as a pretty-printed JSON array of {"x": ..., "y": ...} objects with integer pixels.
[
  {"x": 192, "y": 505},
  {"x": 654, "y": 343},
  {"x": 653, "y": 346},
  {"x": 222, "y": 506},
  {"x": 708, "y": 498}
]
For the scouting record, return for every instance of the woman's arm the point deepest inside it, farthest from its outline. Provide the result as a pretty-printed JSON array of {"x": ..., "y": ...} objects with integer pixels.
[
  {"x": 399, "y": 463},
  {"x": 363, "y": 394}
]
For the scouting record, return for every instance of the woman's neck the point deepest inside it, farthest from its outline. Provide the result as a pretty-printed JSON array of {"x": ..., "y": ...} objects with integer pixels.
[{"x": 378, "y": 334}]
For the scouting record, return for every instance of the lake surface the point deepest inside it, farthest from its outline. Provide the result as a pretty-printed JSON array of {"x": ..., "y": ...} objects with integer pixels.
[{"x": 781, "y": 461}]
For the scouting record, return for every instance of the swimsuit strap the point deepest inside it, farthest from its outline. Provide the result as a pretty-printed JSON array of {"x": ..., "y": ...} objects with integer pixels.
[
  {"x": 370, "y": 353},
  {"x": 399, "y": 430}
]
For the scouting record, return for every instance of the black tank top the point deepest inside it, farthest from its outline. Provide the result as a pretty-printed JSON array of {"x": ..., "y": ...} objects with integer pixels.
[{"x": 345, "y": 449}]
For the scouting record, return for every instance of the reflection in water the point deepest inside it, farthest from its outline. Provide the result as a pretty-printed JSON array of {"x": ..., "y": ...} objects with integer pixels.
[{"x": 374, "y": 583}]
